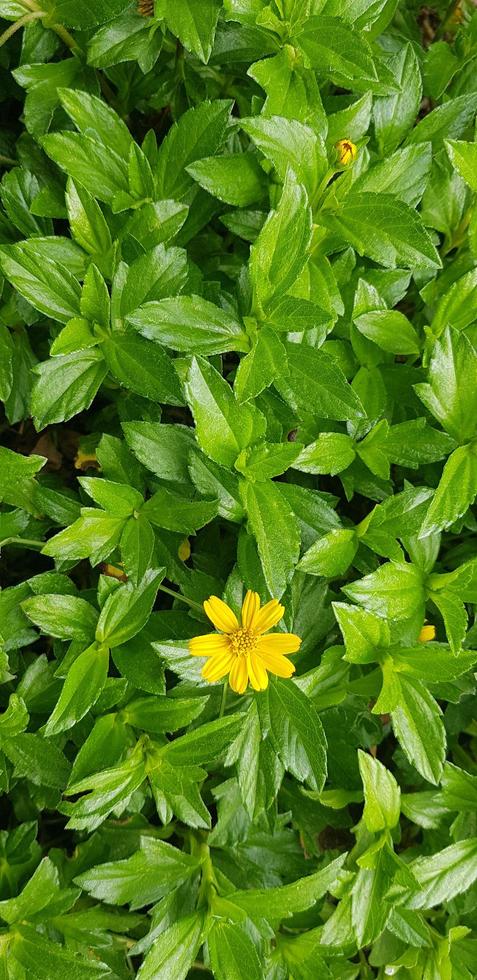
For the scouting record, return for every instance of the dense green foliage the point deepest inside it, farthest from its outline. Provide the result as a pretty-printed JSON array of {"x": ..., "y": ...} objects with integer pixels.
[{"x": 238, "y": 350}]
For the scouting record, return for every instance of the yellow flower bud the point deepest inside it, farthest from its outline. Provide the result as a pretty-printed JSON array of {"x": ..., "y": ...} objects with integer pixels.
[
  {"x": 184, "y": 549},
  {"x": 427, "y": 633},
  {"x": 347, "y": 152},
  {"x": 114, "y": 572}
]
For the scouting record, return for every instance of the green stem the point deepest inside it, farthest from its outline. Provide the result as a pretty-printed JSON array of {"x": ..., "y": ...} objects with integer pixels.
[
  {"x": 183, "y": 598},
  {"x": 26, "y": 542},
  {"x": 7, "y": 161},
  {"x": 66, "y": 37},
  {"x": 18, "y": 24},
  {"x": 224, "y": 699}
]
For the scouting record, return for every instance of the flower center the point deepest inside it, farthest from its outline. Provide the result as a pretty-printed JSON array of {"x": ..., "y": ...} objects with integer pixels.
[{"x": 243, "y": 641}]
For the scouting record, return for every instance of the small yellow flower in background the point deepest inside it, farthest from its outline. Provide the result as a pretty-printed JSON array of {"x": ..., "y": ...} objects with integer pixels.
[
  {"x": 245, "y": 650},
  {"x": 183, "y": 550},
  {"x": 347, "y": 152},
  {"x": 84, "y": 460},
  {"x": 114, "y": 572},
  {"x": 427, "y": 633}
]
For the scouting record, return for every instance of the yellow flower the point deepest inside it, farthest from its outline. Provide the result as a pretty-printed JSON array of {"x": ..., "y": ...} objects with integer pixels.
[
  {"x": 347, "y": 152},
  {"x": 241, "y": 649},
  {"x": 427, "y": 633}
]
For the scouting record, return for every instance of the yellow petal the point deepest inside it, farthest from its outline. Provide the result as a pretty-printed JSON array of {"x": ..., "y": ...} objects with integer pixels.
[
  {"x": 269, "y": 616},
  {"x": 217, "y": 666},
  {"x": 220, "y": 614},
  {"x": 278, "y": 643},
  {"x": 257, "y": 673},
  {"x": 239, "y": 675},
  {"x": 251, "y": 605},
  {"x": 208, "y": 645},
  {"x": 277, "y": 664}
]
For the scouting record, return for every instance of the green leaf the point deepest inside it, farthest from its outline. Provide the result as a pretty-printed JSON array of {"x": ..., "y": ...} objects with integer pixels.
[
  {"x": 18, "y": 486},
  {"x": 340, "y": 53},
  {"x": 390, "y": 330},
  {"x": 66, "y": 385},
  {"x": 91, "y": 114},
  {"x": 162, "y": 448},
  {"x": 42, "y": 959},
  {"x": 40, "y": 889},
  {"x": 127, "y": 610},
  {"x": 88, "y": 162},
  {"x": 276, "y": 904},
  {"x": 384, "y": 229},
  {"x": 137, "y": 547},
  {"x": 190, "y": 324},
  {"x": 141, "y": 879},
  {"x": 417, "y": 723},
  {"x": 199, "y": 133},
  {"x": 177, "y": 513},
  {"x": 143, "y": 367},
  {"x": 405, "y": 174},
  {"x": 450, "y": 394},
  {"x": 193, "y": 25},
  {"x": 297, "y": 734},
  {"x": 259, "y": 368},
  {"x": 280, "y": 253},
  {"x": 363, "y": 632},
  {"x": 459, "y": 789},
  {"x": 86, "y": 219},
  {"x": 232, "y": 952},
  {"x": 121, "y": 500},
  {"x": 64, "y": 616},
  {"x": 89, "y": 15},
  {"x": 394, "y": 591},
  {"x": 94, "y": 535},
  {"x": 159, "y": 273},
  {"x": 331, "y": 453},
  {"x": 369, "y": 909},
  {"x": 444, "y": 875},
  {"x": 395, "y": 114},
  {"x": 275, "y": 530},
  {"x": 288, "y": 143},
  {"x": 432, "y": 663},
  {"x": 381, "y": 794},
  {"x": 38, "y": 760},
  {"x": 235, "y": 179},
  {"x": 83, "y": 685},
  {"x": 464, "y": 157},
  {"x": 315, "y": 383},
  {"x": 48, "y": 285},
  {"x": 266, "y": 460},
  {"x": 331, "y": 555},
  {"x": 163, "y": 714},
  {"x": 206, "y": 745},
  {"x": 174, "y": 950},
  {"x": 446, "y": 121},
  {"x": 127, "y": 38},
  {"x": 223, "y": 427},
  {"x": 457, "y": 490}
]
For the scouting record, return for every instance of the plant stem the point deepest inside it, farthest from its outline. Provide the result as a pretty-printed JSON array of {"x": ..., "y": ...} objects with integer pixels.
[
  {"x": 26, "y": 542},
  {"x": 224, "y": 699},
  {"x": 66, "y": 37},
  {"x": 18, "y": 24},
  {"x": 183, "y": 598},
  {"x": 7, "y": 161}
]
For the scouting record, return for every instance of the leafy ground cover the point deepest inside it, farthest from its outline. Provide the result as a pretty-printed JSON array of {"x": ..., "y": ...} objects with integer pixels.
[{"x": 238, "y": 371}]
